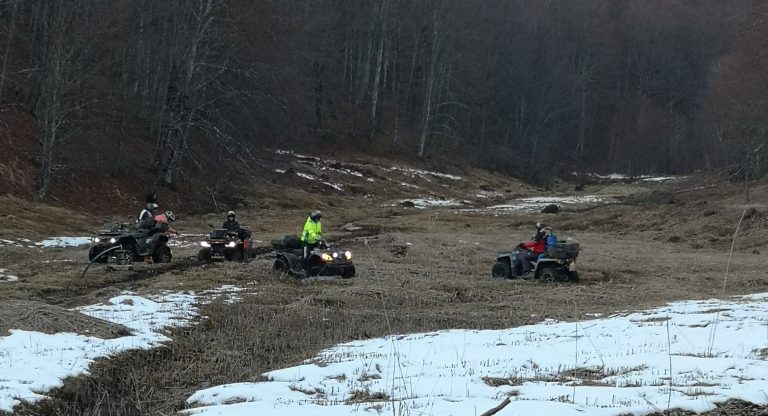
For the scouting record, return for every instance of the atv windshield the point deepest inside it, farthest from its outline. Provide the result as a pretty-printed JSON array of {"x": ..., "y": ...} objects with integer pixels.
[{"x": 219, "y": 234}]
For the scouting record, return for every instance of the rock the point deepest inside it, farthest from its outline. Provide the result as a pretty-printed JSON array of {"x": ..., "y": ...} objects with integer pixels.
[
  {"x": 579, "y": 188},
  {"x": 550, "y": 209},
  {"x": 709, "y": 213},
  {"x": 755, "y": 251},
  {"x": 674, "y": 239},
  {"x": 408, "y": 204}
]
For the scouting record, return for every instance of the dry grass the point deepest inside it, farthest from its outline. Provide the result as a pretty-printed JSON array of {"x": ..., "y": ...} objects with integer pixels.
[
  {"x": 50, "y": 319},
  {"x": 430, "y": 269}
]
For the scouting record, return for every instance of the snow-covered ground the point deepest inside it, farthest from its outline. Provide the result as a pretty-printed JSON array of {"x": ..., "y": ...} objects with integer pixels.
[
  {"x": 621, "y": 177},
  {"x": 49, "y": 242},
  {"x": 32, "y": 363},
  {"x": 422, "y": 203},
  {"x": 536, "y": 203},
  {"x": 6, "y": 276},
  {"x": 688, "y": 354}
]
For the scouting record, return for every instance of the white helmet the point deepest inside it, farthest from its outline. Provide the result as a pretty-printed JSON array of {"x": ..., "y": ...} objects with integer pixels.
[{"x": 315, "y": 215}]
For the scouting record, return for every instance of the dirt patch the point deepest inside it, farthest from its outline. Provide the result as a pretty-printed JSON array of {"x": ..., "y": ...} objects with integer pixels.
[{"x": 49, "y": 319}]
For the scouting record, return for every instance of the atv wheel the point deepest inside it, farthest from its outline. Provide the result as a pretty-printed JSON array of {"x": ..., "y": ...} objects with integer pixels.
[
  {"x": 130, "y": 255},
  {"x": 501, "y": 270},
  {"x": 348, "y": 272},
  {"x": 573, "y": 276},
  {"x": 94, "y": 252},
  {"x": 315, "y": 271},
  {"x": 162, "y": 255},
  {"x": 550, "y": 274},
  {"x": 204, "y": 254},
  {"x": 236, "y": 255},
  {"x": 281, "y": 265}
]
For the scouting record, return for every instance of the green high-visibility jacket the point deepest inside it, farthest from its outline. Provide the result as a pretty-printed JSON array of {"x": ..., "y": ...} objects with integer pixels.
[{"x": 312, "y": 231}]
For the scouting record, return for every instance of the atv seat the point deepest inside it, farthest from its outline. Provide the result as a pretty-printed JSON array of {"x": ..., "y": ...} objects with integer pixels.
[{"x": 288, "y": 242}]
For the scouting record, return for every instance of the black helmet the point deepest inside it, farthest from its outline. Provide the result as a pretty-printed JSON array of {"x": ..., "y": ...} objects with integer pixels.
[
  {"x": 231, "y": 214},
  {"x": 315, "y": 215}
]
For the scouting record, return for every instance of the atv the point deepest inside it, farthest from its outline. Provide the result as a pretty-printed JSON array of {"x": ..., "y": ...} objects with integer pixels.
[
  {"x": 558, "y": 263},
  {"x": 227, "y": 245},
  {"x": 322, "y": 261},
  {"x": 105, "y": 238},
  {"x": 126, "y": 246}
]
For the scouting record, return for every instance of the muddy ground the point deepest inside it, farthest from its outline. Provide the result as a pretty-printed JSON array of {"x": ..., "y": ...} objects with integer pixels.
[{"x": 418, "y": 270}]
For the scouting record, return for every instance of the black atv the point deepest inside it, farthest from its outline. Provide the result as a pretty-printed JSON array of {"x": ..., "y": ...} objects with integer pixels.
[
  {"x": 227, "y": 245},
  {"x": 558, "y": 263},
  {"x": 126, "y": 246},
  {"x": 105, "y": 238},
  {"x": 322, "y": 261}
]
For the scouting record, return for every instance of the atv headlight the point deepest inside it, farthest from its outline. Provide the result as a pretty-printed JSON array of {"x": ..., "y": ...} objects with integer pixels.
[
  {"x": 113, "y": 240},
  {"x": 348, "y": 255},
  {"x": 326, "y": 257},
  {"x": 96, "y": 239},
  {"x": 205, "y": 244},
  {"x": 231, "y": 244},
  {"x": 335, "y": 255}
]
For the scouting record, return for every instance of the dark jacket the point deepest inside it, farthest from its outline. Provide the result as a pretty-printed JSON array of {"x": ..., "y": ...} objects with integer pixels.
[{"x": 231, "y": 225}]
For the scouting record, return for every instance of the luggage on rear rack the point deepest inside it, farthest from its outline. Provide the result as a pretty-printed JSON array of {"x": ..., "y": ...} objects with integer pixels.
[{"x": 564, "y": 249}]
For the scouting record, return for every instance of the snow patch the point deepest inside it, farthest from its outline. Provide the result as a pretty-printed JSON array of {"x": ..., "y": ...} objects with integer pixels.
[
  {"x": 64, "y": 242},
  {"x": 606, "y": 367},
  {"x": 422, "y": 203},
  {"x": 32, "y": 363},
  {"x": 424, "y": 173},
  {"x": 537, "y": 203},
  {"x": 6, "y": 276}
]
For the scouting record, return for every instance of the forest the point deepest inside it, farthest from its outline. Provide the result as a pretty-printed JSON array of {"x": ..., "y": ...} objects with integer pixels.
[{"x": 530, "y": 88}]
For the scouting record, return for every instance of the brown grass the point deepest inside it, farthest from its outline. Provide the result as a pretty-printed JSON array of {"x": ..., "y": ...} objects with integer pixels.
[
  {"x": 50, "y": 319},
  {"x": 430, "y": 269}
]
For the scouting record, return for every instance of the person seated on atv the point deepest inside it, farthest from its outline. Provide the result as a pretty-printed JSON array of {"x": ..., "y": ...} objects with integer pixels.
[
  {"x": 312, "y": 235},
  {"x": 533, "y": 249},
  {"x": 230, "y": 224},
  {"x": 162, "y": 224},
  {"x": 146, "y": 217}
]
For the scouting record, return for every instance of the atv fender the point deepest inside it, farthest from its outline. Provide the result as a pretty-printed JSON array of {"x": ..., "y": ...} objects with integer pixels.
[{"x": 294, "y": 262}]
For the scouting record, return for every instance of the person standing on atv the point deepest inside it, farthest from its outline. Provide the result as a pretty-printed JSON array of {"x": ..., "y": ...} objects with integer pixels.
[
  {"x": 312, "y": 235},
  {"x": 230, "y": 224}
]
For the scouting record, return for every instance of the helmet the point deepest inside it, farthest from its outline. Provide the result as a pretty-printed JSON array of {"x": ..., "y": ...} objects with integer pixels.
[
  {"x": 540, "y": 225},
  {"x": 170, "y": 216},
  {"x": 547, "y": 231},
  {"x": 151, "y": 206},
  {"x": 315, "y": 215},
  {"x": 231, "y": 214}
]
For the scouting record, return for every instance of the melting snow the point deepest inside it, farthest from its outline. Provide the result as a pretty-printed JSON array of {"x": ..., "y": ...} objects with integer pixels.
[
  {"x": 423, "y": 173},
  {"x": 32, "y": 363},
  {"x": 6, "y": 276},
  {"x": 606, "y": 366},
  {"x": 536, "y": 203},
  {"x": 423, "y": 203},
  {"x": 65, "y": 242}
]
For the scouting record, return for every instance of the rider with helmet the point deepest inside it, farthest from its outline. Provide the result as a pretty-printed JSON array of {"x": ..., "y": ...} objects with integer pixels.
[
  {"x": 312, "y": 235},
  {"x": 230, "y": 224},
  {"x": 146, "y": 217}
]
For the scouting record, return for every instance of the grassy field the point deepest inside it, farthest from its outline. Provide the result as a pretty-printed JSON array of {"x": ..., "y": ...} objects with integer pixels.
[{"x": 418, "y": 270}]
